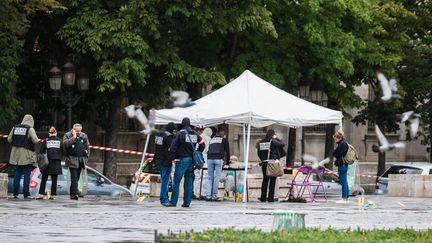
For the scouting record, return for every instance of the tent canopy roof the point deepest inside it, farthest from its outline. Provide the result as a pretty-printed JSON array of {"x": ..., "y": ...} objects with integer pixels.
[{"x": 251, "y": 100}]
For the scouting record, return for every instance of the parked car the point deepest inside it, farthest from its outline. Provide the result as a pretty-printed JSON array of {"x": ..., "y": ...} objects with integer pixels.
[
  {"x": 149, "y": 168},
  {"x": 97, "y": 184},
  {"x": 420, "y": 168}
]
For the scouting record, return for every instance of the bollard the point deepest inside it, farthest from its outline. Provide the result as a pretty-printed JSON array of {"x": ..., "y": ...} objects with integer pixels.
[
  {"x": 3, "y": 185},
  {"x": 288, "y": 220}
]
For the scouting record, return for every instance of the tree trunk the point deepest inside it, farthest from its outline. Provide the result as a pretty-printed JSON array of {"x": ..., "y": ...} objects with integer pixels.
[
  {"x": 329, "y": 145},
  {"x": 381, "y": 163},
  {"x": 291, "y": 146},
  {"x": 110, "y": 158}
]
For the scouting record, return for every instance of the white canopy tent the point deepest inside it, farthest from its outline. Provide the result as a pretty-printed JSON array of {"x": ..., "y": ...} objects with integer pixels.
[{"x": 250, "y": 101}]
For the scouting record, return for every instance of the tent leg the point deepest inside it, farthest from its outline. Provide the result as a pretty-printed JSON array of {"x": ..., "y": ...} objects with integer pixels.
[
  {"x": 246, "y": 156},
  {"x": 244, "y": 140},
  {"x": 141, "y": 165}
]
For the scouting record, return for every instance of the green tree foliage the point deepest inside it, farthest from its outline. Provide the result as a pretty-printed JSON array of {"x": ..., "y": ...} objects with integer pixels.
[
  {"x": 416, "y": 68},
  {"x": 8, "y": 62},
  {"x": 144, "y": 48},
  {"x": 13, "y": 25}
]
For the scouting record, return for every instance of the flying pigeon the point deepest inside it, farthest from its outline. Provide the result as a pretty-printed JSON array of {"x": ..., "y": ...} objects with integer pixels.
[
  {"x": 414, "y": 121},
  {"x": 384, "y": 144},
  {"x": 133, "y": 111},
  {"x": 389, "y": 88},
  {"x": 180, "y": 99},
  {"x": 315, "y": 163}
]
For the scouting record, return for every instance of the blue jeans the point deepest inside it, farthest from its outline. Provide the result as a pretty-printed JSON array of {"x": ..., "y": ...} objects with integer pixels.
[
  {"x": 184, "y": 167},
  {"x": 214, "y": 172},
  {"x": 343, "y": 180},
  {"x": 20, "y": 170},
  {"x": 165, "y": 172}
]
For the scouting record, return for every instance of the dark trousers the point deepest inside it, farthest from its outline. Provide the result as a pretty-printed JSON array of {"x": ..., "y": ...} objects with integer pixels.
[
  {"x": 53, "y": 184},
  {"x": 75, "y": 176},
  {"x": 19, "y": 171},
  {"x": 265, "y": 185}
]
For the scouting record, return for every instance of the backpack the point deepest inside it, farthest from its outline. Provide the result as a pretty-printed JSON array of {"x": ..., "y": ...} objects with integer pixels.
[{"x": 351, "y": 155}]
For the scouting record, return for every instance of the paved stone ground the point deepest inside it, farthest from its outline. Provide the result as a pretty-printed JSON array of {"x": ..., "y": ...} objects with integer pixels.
[{"x": 110, "y": 220}]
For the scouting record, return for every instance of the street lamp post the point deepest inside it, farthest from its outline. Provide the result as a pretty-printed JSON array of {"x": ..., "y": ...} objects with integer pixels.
[{"x": 68, "y": 74}]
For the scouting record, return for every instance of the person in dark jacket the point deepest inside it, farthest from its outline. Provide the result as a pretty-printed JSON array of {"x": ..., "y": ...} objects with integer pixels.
[
  {"x": 217, "y": 151},
  {"x": 275, "y": 146},
  {"x": 339, "y": 153},
  {"x": 163, "y": 159},
  {"x": 53, "y": 147},
  {"x": 182, "y": 150},
  {"x": 23, "y": 139},
  {"x": 77, "y": 149}
]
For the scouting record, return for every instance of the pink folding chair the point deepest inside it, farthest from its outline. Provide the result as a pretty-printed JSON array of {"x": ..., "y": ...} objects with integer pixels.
[{"x": 307, "y": 187}]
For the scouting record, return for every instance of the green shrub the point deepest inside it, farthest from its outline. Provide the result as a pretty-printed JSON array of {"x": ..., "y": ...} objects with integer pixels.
[{"x": 304, "y": 235}]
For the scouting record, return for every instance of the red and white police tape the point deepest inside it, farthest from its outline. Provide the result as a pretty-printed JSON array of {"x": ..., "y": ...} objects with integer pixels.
[
  {"x": 117, "y": 150},
  {"x": 127, "y": 151}
]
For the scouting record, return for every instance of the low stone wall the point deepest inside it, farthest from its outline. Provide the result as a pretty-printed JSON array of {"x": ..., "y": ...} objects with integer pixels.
[
  {"x": 3, "y": 185},
  {"x": 410, "y": 186}
]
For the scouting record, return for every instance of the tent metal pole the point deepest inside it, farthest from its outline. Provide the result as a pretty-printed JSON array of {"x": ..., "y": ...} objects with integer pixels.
[
  {"x": 244, "y": 140},
  {"x": 246, "y": 164},
  {"x": 141, "y": 165}
]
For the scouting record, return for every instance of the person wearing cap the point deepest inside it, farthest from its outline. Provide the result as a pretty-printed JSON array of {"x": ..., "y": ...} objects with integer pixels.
[
  {"x": 53, "y": 147},
  {"x": 182, "y": 150},
  {"x": 77, "y": 148},
  {"x": 23, "y": 139},
  {"x": 218, "y": 150},
  {"x": 163, "y": 159}
]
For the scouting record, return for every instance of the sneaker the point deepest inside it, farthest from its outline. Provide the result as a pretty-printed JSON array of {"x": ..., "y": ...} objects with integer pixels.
[
  {"x": 74, "y": 197},
  {"x": 262, "y": 200},
  {"x": 15, "y": 197},
  {"x": 225, "y": 198},
  {"x": 215, "y": 200},
  {"x": 39, "y": 197},
  {"x": 184, "y": 206},
  {"x": 342, "y": 201},
  {"x": 208, "y": 199},
  {"x": 169, "y": 205}
]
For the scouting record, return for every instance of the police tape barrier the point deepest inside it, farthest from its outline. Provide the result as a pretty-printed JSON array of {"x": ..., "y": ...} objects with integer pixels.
[
  {"x": 334, "y": 172},
  {"x": 126, "y": 151}
]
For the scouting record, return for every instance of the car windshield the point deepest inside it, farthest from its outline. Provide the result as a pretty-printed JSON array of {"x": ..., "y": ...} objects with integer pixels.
[{"x": 400, "y": 169}]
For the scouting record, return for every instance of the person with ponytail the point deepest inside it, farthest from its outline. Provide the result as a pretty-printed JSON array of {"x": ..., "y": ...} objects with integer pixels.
[{"x": 53, "y": 147}]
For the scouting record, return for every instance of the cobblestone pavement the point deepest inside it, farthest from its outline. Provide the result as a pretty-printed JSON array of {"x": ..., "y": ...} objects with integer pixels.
[{"x": 110, "y": 220}]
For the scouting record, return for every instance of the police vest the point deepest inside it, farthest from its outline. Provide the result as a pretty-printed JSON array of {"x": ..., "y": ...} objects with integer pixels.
[
  {"x": 54, "y": 148},
  {"x": 162, "y": 147},
  {"x": 216, "y": 148},
  {"x": 20, "y": 137},
  {"x": 78, "y": 149},
  {"x": 264, "y": 149}
]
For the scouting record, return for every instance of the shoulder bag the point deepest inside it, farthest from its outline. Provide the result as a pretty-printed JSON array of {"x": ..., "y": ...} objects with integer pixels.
[
  {"x": 197, "y": 156},
  {"x": 274, "y": 167}
]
